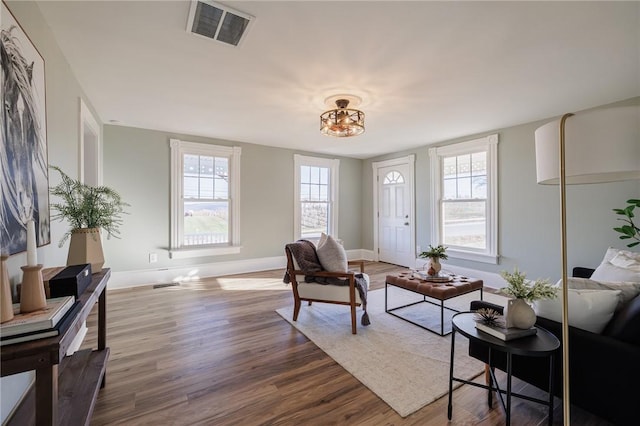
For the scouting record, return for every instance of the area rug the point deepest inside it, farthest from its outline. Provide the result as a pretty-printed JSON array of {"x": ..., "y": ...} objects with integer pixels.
[{"x": 406, "y": 366}]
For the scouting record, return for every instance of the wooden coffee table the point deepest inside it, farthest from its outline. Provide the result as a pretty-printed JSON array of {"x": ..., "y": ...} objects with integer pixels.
[{"x": 433, "y": 290}]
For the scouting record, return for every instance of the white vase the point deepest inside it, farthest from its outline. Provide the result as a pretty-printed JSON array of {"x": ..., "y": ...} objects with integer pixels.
[
  {"x": 519, "y": 314},
  {"x": 434, "y": 266}
]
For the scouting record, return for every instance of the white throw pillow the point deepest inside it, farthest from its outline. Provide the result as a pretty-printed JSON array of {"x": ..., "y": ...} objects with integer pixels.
[
  {"x": 628, "y": 290},
  {"x": 612, "y": 268},
  {"x": 589, "y": 310},
  {"x": 332, "y": 256}
]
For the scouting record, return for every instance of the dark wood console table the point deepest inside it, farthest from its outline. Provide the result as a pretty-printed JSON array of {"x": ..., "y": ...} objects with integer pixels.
[{"x": 64, "y": 395}]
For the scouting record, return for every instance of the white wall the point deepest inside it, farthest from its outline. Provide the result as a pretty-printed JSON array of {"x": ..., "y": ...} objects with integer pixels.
[{"x": 529, "y": 221}]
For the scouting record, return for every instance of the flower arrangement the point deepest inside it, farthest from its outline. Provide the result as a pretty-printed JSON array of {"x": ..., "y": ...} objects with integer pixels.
[
  {"x": 521, "y": 288},
  {"x": 438, "y": 252}
]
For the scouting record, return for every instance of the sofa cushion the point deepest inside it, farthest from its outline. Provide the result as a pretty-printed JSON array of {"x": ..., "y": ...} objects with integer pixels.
[
  {"x": 628, "y": 290},
  {"x": 332, "y": 256},
  {"x": 625, "y": 325},
  {"x": 618, "y": 265},
  {"x": 589, "y": 310}
]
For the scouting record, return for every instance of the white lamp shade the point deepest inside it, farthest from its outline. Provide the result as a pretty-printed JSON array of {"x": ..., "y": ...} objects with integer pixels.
[{"x": 600, "y": 146}]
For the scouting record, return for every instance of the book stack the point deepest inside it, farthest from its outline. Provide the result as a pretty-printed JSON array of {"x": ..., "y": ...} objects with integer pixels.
[
  {"x": 503, "y": 333},
  {"x": 48, "y": 322}
]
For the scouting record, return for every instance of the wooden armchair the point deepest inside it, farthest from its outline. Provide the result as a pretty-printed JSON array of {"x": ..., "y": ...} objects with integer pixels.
[{"x": 325, "y": 293}]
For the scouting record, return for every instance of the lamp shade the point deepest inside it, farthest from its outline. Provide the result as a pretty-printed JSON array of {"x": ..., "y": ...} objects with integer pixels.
[{"x": 600, "y": 146}]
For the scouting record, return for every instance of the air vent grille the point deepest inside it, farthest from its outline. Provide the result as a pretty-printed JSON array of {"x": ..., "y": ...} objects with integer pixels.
[{"x": 218, "y": 22}]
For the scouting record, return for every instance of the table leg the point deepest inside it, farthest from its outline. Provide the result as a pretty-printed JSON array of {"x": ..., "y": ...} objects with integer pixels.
[
  {"x": 551, "y": 390},
  {"x": 442, "y": 318},
  {"x": 508, "y": 388},
  {"x": 489, "y": 392},
  {"x": 47, "y": 395},
  {"x": 453, "y": 345},
  {"x": 102, "y": 328}
]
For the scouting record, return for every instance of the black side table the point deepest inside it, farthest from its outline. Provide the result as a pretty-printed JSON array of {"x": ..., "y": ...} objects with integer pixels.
[{"x": 542, "y": 344}]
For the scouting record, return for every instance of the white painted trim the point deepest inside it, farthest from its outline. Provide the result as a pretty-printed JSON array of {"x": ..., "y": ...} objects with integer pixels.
[
  {"x": 334, "y": 167},
  {"x": 490, "y": 145},
  {"x": 409, "y": 160},
  {"x": 88, "y": 121},
  {"x": 178, "y": 149},
  {"x": 142, "y": 277}
]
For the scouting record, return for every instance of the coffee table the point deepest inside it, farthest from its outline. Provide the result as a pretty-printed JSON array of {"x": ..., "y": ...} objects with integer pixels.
[
  {"x": 441, "y": 292},
  {"x": 541, "y": 344}
]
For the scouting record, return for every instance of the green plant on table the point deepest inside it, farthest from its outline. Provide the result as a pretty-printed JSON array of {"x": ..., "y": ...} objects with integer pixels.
[
  {"x": 438, "y": 252},
  {"x": 519, "y": 287},
  {"x": 85, "y": 206},
  {"x": 629, "y": 231}
]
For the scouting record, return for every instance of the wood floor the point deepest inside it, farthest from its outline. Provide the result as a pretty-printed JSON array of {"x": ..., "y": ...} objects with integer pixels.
[{"x": 215, "y": 352}]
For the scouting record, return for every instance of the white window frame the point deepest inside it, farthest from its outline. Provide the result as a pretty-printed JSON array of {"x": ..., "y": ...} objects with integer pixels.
[
  {"x": 489, "y": 144},
  {"x": 334, "y": 167},
  {"x": 178, "y": 149}
]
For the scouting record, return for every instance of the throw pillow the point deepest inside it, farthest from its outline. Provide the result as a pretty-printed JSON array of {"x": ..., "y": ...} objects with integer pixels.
[
  {"x": 628, "y": 290},
  {"x": 589, "y": 310},
  {"x": 332, "y": 255},
  {"x": 610, "y": 272}
]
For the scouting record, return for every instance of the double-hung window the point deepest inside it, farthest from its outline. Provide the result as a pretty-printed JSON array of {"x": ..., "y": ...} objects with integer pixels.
[
  {"x": 316, "y": 205},
  {"x": 205, "y": 195},
  {"x": 464, "y": 192}
]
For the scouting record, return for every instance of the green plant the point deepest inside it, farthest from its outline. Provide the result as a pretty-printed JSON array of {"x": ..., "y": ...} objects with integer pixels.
[
  {"x": 519, "y": 287},
  {"x": 630, "y": 230},
  {"x": 435, "y": 253},
  {"x": 86, "y": 206}
]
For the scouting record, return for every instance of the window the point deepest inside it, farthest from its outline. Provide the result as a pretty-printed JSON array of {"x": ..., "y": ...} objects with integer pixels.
[
  {"x": 316, "y": 205},
  {"x": 205, "y": 195},
  {"x": 464, "y": 196}
]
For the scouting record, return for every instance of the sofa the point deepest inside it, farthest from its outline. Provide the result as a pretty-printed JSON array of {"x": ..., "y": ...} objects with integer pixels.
[{"x": 604, "y": 367}]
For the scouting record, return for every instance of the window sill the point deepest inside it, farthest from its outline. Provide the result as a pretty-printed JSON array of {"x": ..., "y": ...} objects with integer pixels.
[
  {"x": 476, "y": 257},
  {"x": 186, "y": 253}
]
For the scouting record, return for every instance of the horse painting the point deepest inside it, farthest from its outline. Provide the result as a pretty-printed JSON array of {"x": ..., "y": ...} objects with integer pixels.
[{"x": 23, "y": 157}]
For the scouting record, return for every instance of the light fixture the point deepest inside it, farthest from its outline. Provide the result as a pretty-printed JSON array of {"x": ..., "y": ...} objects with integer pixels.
[
  {"x": 342, "y": 122},
  {"x": 593, "y": 147}
]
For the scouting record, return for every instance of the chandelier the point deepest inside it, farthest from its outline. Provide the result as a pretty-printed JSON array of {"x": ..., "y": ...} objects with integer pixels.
[{"x": 342, "y": 122}]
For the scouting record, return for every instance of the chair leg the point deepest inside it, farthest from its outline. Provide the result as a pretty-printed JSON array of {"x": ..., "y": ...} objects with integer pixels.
[
  {"x": 353, "y": 319},
  {"x": 309, "y": 302},
  {"x": 296, "y": 309}
]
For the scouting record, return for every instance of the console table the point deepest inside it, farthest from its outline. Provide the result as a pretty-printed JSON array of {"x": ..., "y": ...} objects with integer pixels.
[{"x": 66, "y": 387}]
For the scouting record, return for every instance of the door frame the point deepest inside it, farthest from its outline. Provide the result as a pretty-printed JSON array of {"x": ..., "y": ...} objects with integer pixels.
[
  {"x": 89, "y": 125},
  {"x": 410, "y": 161}
]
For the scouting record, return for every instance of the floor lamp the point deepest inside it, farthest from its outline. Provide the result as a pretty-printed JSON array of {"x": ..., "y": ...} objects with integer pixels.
[{"x": 598, "y": 146}]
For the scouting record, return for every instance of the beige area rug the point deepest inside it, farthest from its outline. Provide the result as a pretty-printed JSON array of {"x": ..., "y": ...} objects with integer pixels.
[{"x": 404, "y": 365}]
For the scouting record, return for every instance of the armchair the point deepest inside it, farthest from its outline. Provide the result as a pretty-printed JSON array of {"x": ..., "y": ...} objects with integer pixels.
[{"x": 316, "y": 284}]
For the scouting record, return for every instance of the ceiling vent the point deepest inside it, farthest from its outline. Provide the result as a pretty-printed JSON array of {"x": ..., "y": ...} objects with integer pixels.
[{"x": 218, "y": 22}]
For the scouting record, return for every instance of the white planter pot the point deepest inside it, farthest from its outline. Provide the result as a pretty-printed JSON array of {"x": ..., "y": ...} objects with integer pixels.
[{"x": 519, "y": 314}]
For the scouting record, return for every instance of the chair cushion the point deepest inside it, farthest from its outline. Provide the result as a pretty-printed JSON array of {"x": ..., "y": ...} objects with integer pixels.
[{"x": 332, "y": 255}]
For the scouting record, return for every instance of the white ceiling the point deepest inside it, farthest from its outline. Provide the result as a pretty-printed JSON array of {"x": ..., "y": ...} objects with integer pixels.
[{"x": 427, "y": 71}]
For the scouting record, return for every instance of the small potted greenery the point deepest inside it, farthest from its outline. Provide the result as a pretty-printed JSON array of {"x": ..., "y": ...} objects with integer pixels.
[
  {"x": 630, "y": 230},
  {"x": 519, "y": 313},
  {"x": 434, "y": 254},
  {"x": 88, "y": 209}
]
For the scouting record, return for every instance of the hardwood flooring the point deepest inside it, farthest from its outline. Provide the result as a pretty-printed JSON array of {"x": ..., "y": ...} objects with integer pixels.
[{"x": 215, "y": 352}]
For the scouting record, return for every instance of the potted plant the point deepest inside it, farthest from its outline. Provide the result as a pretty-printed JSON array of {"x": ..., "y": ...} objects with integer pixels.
[
  {"x": 434, "y": 254},
  {"x": 519, "y": 313},
  {"x": 88, "y": 209},
  {"x": 630, "y": 230}
]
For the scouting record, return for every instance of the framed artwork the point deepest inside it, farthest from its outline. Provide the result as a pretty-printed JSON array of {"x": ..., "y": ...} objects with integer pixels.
[{"x": 24, "y": 177}]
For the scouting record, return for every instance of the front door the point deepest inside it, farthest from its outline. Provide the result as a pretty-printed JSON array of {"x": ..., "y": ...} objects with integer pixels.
[{"x": 394, "y": 215}]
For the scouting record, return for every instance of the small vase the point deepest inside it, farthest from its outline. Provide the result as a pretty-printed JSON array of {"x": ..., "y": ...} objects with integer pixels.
[
  {"x": 32, "y": 296},
  {"x": 519, "y": 314},
  {"x": 434, "y": 266}
]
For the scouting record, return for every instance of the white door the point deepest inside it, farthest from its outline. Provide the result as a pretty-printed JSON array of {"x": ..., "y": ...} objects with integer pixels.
[{"x": 394, "y": 215}]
